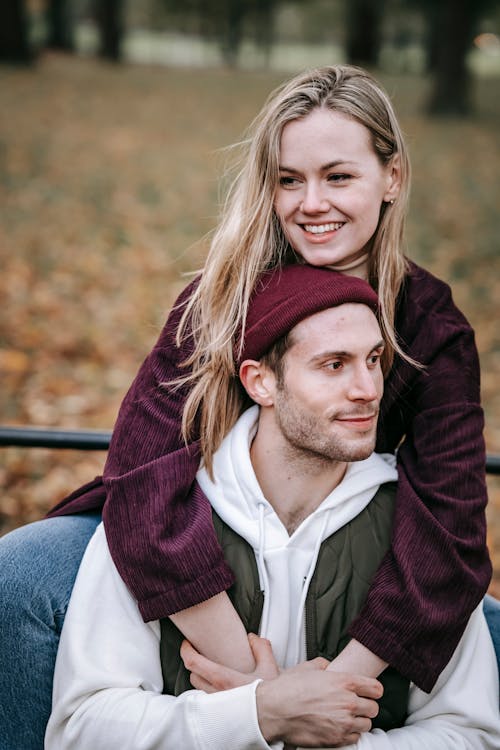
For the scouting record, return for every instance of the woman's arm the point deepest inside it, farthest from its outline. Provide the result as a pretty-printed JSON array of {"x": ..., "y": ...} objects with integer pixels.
[
  {"x": 158, "y": 521},
  {"x": 438, "y": 567},
  {"x": 216, "y": 631},
  {"x": 357, "y": 659}
]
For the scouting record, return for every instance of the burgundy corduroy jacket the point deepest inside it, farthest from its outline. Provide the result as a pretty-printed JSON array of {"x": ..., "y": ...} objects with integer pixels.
[{"x": 158, "y": 522}]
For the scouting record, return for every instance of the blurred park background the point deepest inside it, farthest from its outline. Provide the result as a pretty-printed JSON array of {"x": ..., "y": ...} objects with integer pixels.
[{"x": 113, "y": 120}]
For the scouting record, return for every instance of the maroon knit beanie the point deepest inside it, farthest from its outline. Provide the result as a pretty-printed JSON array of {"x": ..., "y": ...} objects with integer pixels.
[{"x": 285, "y": 296}]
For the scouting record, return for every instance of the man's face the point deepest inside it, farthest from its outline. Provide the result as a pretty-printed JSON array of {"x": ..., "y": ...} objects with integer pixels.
[{"x": 328, "y": 401}]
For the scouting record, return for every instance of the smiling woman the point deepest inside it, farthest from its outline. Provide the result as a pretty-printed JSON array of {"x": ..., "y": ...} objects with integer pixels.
[
  {"x": 324, "y": 179},
  {"x": 331, "y": 187}
]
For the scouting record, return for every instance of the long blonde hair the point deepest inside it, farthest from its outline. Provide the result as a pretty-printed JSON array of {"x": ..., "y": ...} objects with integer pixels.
[{"x": 249, "y": 239}]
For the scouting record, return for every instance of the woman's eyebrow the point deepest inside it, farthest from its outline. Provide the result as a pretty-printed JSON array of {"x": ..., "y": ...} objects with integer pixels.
[{"x": 323, "y": 168}]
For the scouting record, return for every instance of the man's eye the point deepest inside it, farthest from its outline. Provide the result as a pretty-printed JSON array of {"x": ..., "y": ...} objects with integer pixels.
[{"x": 334, "y": 365}]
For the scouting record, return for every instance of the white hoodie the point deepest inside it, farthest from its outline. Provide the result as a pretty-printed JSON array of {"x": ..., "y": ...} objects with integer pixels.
[
  {"x": 108, "y": 682},
  {"x": 286, "y": 563}
]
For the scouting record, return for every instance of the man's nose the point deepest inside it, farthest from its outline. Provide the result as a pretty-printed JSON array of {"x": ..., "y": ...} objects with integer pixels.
[{"x": 363, "y": 386}]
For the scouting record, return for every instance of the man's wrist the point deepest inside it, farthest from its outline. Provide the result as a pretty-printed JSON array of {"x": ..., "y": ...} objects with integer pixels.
[
  {"x": 271, "y": 722},
  {"x": 227, "y": 719}
]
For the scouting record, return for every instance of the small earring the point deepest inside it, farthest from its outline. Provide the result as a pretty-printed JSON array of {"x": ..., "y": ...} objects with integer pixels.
[{"x": 391, "y": 201}]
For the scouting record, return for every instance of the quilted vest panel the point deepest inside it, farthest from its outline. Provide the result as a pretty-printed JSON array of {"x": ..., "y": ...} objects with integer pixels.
[{"x": 347, "y": 561}]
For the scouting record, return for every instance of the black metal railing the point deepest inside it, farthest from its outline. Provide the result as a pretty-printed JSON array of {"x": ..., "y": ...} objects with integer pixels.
[
  {"x": 493, "y": 464},
  {"x": 98, "y": 440},
  {"x": 34, "y": 437}
]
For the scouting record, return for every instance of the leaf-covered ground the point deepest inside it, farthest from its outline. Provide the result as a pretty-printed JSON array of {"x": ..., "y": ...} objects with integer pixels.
[{"x": 108, "y": 179}]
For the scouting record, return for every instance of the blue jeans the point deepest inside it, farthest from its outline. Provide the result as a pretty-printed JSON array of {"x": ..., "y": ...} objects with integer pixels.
[
  {"x": 38, "y": 566},
  {"x": 492, "y": 611}
]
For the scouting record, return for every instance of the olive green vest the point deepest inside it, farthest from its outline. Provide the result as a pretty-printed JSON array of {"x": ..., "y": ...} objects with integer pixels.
[{"x": 346, "y": 564}]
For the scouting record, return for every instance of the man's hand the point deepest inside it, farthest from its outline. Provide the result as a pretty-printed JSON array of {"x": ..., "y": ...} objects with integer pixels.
[
  {"x": 311, "y": 708},
  {"x": 305, "y": 706},
  {"x": 211, "y": 677}
]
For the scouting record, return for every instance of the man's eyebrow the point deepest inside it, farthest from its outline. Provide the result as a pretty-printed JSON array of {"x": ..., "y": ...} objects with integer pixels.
[
  {"x": 329, "y": 354},
  {"x": 324, "y": 168}
]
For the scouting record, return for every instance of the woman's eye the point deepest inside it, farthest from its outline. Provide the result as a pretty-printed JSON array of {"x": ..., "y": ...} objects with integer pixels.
[
  {"x": 286, "y": 181},
  {"x": 374, "y": 359},
  {"x": 338, "y": 177},
  {"x": 334, "y": 365}
]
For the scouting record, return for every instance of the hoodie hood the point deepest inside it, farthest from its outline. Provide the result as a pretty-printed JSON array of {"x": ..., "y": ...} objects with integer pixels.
[{"x": 286, "y": 562}]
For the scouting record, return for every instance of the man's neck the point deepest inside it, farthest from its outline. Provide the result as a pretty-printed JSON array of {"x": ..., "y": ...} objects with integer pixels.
[{"x": 293, "y": 482}]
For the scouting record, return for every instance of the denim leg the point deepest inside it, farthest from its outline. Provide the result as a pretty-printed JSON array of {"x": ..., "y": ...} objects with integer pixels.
[
  {"x": 38, "y": 566},
  {"x": 491, "y": 608}
]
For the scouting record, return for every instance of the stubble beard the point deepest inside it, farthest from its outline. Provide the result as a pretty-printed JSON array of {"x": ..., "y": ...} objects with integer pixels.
[{"x": 305, "y": 442}]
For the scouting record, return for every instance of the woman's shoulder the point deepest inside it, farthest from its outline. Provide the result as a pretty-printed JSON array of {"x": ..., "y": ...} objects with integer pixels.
[
  {"x": 425, "y": 297},
  {"x": 169, "y": 331},
  {"x": 434, "y": 332},
  {"x": 421, "y": 285}
]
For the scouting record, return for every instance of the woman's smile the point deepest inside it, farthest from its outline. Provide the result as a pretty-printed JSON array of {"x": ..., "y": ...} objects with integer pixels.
[
  {"x": 331, "y": 187},
  {"x": 321, "y": 232}
]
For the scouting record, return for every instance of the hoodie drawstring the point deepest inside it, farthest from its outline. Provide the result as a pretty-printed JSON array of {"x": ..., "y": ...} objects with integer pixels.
[{"x": 262, "y": 568}]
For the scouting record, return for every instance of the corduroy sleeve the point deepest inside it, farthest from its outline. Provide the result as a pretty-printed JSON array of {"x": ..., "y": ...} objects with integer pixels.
[
  {"x": 438, "y": 567},
  {"x": 157, "y": 520}
]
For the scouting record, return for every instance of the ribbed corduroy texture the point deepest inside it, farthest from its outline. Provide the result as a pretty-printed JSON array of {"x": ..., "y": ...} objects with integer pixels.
[{"x": 158, "y": 523}]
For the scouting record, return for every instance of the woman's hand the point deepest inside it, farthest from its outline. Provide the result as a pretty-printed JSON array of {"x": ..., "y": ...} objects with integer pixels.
[{"x": 211, "y": 677}]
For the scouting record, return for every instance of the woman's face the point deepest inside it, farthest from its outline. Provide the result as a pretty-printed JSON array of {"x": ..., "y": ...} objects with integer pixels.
[{"x": 331, "y": 187}]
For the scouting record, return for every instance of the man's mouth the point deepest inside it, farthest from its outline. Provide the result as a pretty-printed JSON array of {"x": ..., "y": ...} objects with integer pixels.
[
  {"x": 359, "y": 420},
  {"x": 322, "y": 228}
]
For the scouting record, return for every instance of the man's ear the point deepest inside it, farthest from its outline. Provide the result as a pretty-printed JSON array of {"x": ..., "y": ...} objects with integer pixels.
[
  {"x": 394, "y": 179},
  {"x": 258, "y": 381}
]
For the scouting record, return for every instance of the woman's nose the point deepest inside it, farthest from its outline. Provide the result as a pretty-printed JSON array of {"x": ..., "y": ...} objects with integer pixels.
[{"x": 314, "y": 201}]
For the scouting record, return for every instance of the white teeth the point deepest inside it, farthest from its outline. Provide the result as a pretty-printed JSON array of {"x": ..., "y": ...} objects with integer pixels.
[{"x": 321, "y": 228}]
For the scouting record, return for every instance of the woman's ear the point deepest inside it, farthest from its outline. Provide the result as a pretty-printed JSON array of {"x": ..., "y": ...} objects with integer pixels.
[
  {"x": 258, "y": 381},
  {"x": 393, "y": 179}
]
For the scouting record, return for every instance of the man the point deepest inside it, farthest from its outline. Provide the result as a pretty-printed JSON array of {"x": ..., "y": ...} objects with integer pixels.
[{"x": 303, "y": 510}]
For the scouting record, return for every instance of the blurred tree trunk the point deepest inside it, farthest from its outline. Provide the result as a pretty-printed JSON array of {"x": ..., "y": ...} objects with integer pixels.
[
  {"x": 452, "y": 25},
  {"x": 14, "y": 41},
  {"x": 225, "y": 23},
  {"x": 264, "y": 26},
  {"x": 60, "y": 23},
  {"x": 363, "y": 27},
  {"x": 109, "y": 15},
  {"x": 432, "y": 35},
  {"x": 232, "y": 30}
]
